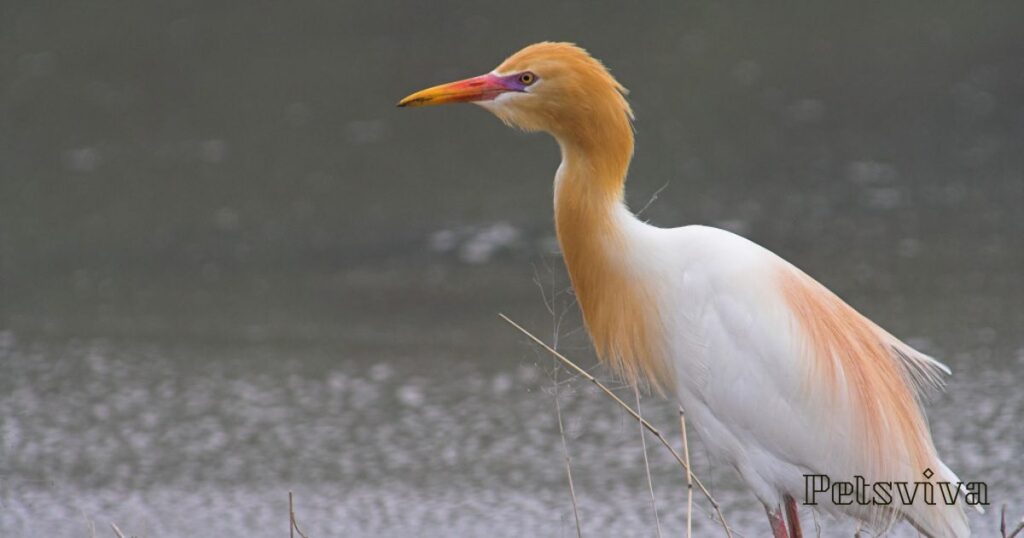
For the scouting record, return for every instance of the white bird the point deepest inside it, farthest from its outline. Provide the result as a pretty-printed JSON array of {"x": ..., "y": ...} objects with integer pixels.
[{"x": 778, "y": 375}]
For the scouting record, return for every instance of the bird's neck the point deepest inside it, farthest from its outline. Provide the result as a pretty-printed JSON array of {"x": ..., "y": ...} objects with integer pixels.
[
  {"x": 596, "y": 151},
  {"x": 597, "y": 236}
]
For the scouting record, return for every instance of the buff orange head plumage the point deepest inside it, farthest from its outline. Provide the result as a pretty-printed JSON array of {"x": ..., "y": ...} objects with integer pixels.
[{"x": 553, "y": 87}]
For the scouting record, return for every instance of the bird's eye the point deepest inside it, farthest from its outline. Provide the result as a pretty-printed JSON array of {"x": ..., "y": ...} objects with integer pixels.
[{"x": 527, "y": 78}]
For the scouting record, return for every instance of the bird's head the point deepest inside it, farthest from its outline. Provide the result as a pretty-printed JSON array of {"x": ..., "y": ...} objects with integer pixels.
[{"x": 553, "y": 87}]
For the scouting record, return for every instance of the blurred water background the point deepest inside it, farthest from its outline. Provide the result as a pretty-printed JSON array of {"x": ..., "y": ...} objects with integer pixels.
[{"x": 231, "y": 268}]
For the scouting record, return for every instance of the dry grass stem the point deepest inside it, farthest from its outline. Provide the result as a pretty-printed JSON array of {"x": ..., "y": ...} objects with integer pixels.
[
  {"x": 117, "y": 531},
  {"x": 1002, "y": 526},
  {"x": 689, "y": 475},
  {"x": 293, "y": 524},
  {"x": 647, "y": 465},
  {"x": 88, "y": 523},
  {"x": 568, "y": 463},
  {"x": 652, "y": 199},
  {"x": 654, "y": 431},
  {"x": 556, "y": 330}
]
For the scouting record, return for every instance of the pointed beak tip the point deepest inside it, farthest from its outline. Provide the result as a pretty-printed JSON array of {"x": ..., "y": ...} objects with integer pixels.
[
  {"x": 413, "y": 100},
  {"x": 479, "y": 88}
]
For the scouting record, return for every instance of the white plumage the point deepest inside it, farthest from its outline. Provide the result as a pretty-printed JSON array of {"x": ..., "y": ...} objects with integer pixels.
[{"x": 779, "y": 377}]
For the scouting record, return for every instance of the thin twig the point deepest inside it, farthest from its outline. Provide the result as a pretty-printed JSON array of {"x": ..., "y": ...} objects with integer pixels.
[
  {"x": 556, "y": 321},
  {"x": 293, "y": 523},
  {"x": 657, "y": 433},
  {"x": 647, "y": 465},
  {"x": 90, "y": 523},
  {"x": 568, "y": 462},
  {"x": 1002, "y": 525},
  {"x": 689, "y": 475},
  {"x": 653, "y": 198},
  {"x": 117, "y": 531}
]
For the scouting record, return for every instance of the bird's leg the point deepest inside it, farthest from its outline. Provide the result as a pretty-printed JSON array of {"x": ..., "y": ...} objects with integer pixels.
[
  {"x": 793, "y": 517},
  {"x": 778, "y": 524}
]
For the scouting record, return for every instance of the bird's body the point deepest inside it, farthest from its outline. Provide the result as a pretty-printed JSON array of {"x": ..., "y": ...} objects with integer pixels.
[{"x": 780, "y": 377}]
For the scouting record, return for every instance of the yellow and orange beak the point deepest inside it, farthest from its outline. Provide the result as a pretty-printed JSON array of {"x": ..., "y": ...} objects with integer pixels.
[{"x": 482, "y": 88}]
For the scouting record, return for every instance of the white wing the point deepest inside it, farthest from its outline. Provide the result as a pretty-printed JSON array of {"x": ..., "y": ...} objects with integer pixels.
[{"x": 784, "y": 379}]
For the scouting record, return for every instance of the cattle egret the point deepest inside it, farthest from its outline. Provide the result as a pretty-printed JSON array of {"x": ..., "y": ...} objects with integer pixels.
[{"x": 779, "y": 376}]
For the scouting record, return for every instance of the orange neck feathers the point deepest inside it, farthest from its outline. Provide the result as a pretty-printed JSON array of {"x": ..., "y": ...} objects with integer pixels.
[
  {"x": 621, "y": 314},
  {"x": 585, "y": 109}
]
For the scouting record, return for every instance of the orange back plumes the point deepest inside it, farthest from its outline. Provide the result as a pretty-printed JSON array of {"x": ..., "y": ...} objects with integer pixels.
[{"x": 850, "y": 357}]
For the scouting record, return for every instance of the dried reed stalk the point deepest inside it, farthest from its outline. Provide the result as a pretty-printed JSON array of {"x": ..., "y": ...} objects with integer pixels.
[
  {"x": 654, "y": 431},
  {"x": 568, "y": 463},
  {"x": 647, "y": 465},
  {"x": 293, "y": 524},
  {"x": 689, "y": 475}
]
